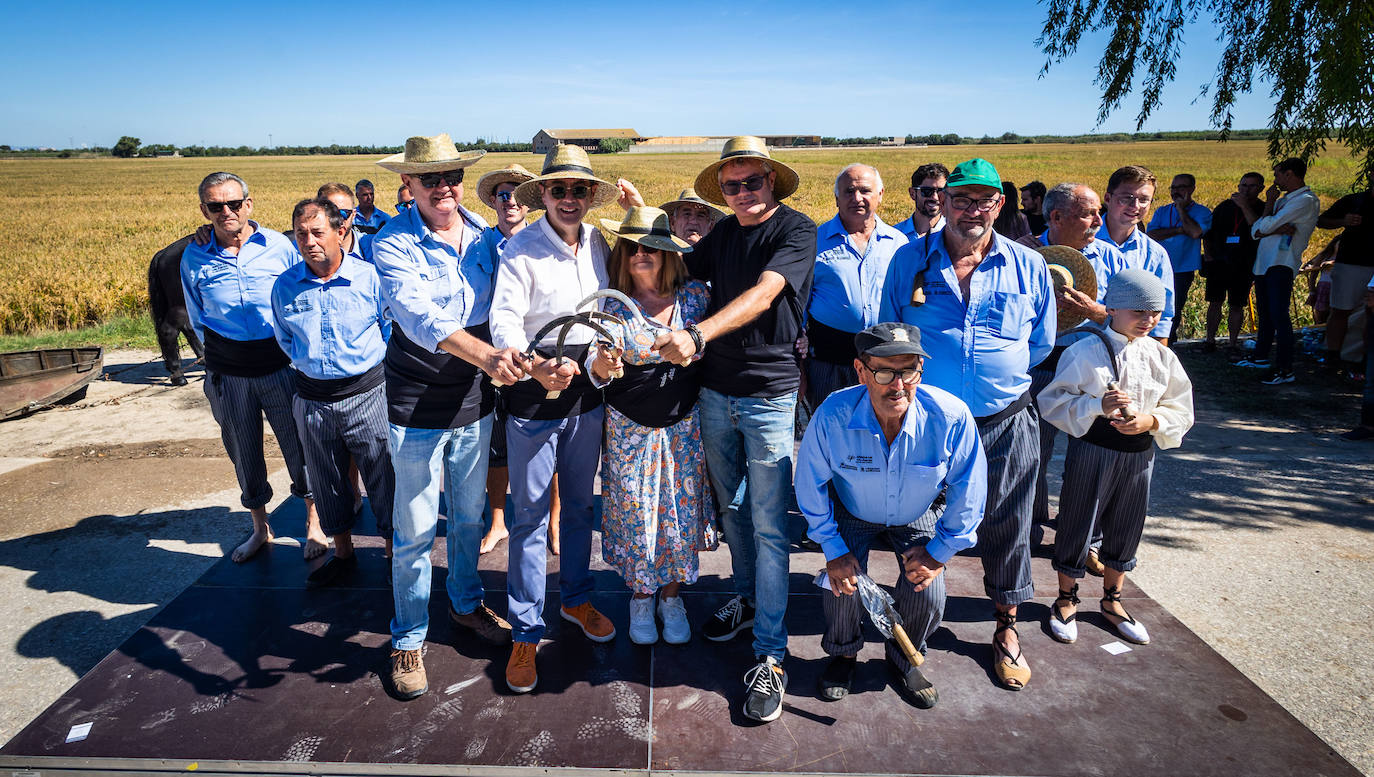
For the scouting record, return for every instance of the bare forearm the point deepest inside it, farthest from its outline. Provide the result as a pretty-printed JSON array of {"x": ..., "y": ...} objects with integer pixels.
[
  {"x": 466, "y": 347},
  {"x": 744, "y": 308}
]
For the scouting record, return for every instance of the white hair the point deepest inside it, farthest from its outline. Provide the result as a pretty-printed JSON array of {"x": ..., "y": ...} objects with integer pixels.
[{"x": 877, "y": 176}]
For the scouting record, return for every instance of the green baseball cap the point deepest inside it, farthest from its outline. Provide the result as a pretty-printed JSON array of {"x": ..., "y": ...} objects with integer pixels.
[{"x": 974, "y": 172}]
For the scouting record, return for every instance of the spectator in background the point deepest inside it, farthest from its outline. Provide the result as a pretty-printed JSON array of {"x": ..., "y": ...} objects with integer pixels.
[
  {"x": 1283, "y": 231},
  {"x": 1130, "y": 190},
  {"x": 1365, "y": 429},
  {"x": 403, "y": 198},
  {"x": 690, "y": 216},
  {"x": 927, "y": 192},
  {"x": 355, "y": 240},
  {"x": 1179, "y": 227},
  {"x": 369, "y": 217},
  {"x": 1011, "y": 223},
  {"x": 1230, "y": 258},
  {"x": 1032, "y": 198},
  {"x": 1354, "y": 266}
]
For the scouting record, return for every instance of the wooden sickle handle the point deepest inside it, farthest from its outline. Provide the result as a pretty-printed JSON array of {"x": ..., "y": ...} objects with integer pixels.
[{"x": 904, "y": 643}]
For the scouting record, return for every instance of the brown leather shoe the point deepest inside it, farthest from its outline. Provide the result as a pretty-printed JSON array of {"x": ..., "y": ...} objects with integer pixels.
[
  {"x": 596, "y": 626},
  {"x": 489, "y": 626},
  {"x": 408, "y": 673},
  {"x": 521, "y": 676}
]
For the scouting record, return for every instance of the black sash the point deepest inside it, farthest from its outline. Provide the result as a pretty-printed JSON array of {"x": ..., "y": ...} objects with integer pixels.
[
  {"x": 1104, "y": 435},
  {"x": 1016, "y": 406},
  {"x": 335, "y": 389},
  {"x": 831, "y": 345},
  {"x": 427, "y": 390},
  {"x": 243, "y": 358},
  {"x": 657, "y": 395}
]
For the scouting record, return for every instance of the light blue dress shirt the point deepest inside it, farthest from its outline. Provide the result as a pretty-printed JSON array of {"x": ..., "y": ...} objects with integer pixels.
[
  {"x": 431, "y": 288},
  {"x": 847, "y": 288},
  {"x": 895, "y": 484},
  {"x": 981, "y": 349},
  {"x": 907, "y": 226},
  {"x": 1142, "y": 252},
  {"x": 335, "y": 328},
  {"x": 378, "y": 220},
  {"x": 1185, "y": 253},
  {"x": 230, "y": 293}
]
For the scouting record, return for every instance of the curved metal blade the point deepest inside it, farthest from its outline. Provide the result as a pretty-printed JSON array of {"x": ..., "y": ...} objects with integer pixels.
[{"x": 618, "y": 296}]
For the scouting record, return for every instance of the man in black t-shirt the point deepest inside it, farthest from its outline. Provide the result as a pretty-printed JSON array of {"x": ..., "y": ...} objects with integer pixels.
[
  {"x": 1228, "y": 260},
  {"x": 1354, "y": 266},
  {"x": 759, "y": 262}
]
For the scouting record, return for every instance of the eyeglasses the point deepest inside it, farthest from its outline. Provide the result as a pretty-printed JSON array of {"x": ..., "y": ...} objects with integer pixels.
[
  {"x": 640, "y": 248},
  {"x": 431, "y": 180},
  {"x": 506, "y": 196},
  {"x": 1127, "y": 200},
  {"x": 753, "y": 183},
  {"x": 218, "y": 207},
  {"x": 578, "y": 191},
  {"x": 929, "y": 191},
  {"x": 985, "y": 204},
  {"x": 884, "y": 377},
  {"x": 346, "y": 213},
  {"x": 400, "y": 206}
]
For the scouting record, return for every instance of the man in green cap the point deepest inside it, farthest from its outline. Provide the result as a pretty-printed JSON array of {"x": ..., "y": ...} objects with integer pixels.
[{"x": 985, "y": 307}]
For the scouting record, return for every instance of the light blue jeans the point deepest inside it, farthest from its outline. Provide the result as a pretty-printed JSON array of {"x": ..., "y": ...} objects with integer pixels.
[
  {"x": 425, "y": 460},
  {"x": 748, "y": 443}
]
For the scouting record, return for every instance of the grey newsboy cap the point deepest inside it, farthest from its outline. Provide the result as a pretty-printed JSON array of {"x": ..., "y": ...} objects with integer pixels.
[
  {"x": 889, "y": 339},
  {"x": 1134, "y": 290}
]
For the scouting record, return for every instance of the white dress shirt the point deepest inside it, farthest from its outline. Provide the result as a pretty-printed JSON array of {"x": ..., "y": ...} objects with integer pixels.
[
  {"x": 1300, "y": 208},
  {"x": 541, "y": 278}
]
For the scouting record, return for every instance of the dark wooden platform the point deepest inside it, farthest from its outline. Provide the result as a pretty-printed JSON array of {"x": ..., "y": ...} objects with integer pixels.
[{"x": 246, "y": 671}]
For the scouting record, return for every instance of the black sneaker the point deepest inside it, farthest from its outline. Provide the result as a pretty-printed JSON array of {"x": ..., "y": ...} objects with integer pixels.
[
  {"x": 736, "y": 616},
  {"x": 919, "y": 691},
  {"x": 1278, "y": 377},
  {"x": 837, "y": 677},
  {"x": 766, "y": 683}
]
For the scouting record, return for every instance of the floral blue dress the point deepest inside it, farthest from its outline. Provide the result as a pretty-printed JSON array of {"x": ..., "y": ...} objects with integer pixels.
[{"x": 657, "y": 508}]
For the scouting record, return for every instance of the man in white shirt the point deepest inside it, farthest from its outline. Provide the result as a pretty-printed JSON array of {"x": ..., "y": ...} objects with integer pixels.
[{"x": 1283, "y": 231}]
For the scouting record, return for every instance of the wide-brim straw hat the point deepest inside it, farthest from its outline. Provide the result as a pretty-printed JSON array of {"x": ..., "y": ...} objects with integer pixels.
[
  {"x": 745, "y": 147},
  {"x": 647, "y": 226},
  {"x": 689, "y": 196},
  {"x": 430, "y": 155},
  {"x": 562, "y": 162},
  {"x": 486, "y": 185},
  {"x": 1069, "y": 267}
]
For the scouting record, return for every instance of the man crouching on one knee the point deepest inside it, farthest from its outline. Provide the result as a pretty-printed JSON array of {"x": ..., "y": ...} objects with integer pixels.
[{"x": 873, "y": 461}]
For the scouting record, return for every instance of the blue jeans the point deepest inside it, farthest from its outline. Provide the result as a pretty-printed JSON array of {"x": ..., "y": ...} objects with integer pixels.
[
  {"x": 748, "y": 443},
  {"x": 1273, "y": 297},
  {"x": 425, "y": 459}
]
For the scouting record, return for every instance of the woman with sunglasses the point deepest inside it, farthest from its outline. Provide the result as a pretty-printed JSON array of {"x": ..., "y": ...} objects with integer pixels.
[{"x": 656, "y": 505}]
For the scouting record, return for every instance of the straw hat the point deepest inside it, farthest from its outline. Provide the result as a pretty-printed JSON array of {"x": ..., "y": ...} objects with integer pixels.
[
  {"x": 1069, "y": 267},
  {"x": 430, "y": 155},
  {"x": 486, "y": 185},
  {"x": 566, "y": 161},
  {"x": 689, "y": 196},
  {"x": 647, "y": 226},
  {"x": 745, "y": 147}
]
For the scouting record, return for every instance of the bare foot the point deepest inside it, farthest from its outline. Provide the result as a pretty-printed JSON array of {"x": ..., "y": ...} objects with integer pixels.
[
  {"x": 493, "y": 538},
  {"x": 250, "y": 546},
  {"x": 316, "y": 543}
]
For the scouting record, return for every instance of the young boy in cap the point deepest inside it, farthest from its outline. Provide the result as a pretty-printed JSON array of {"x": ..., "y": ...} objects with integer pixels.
[{"x": 1117, "y": 395}]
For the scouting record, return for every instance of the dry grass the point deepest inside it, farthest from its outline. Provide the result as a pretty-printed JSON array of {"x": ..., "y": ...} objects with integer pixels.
[{"x": 76, "y": 234}]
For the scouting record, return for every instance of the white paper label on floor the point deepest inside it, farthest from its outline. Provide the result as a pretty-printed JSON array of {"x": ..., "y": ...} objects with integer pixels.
[
  {"x": 78, "y": 732},
  {"x": 1116, "y": 648}
]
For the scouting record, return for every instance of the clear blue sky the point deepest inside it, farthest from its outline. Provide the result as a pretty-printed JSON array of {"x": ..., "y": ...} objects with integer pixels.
[{"x": 376, "y": 72}]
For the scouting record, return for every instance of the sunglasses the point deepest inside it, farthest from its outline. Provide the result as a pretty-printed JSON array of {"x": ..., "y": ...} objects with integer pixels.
[
  {"x": 218, "y": 207},
  {"x": 506, "y": 196},
  {"x": 578, "y": 191},
  {"x": 346, "y": 213},
  {"x": 400, "y": 206},
  {"x": 884, "y": 377},
  {"x": 929, "y": 191},
  {"x": 432, "y": 180},
  {"x": 753, "y": 183},
  {"x": 640, "y": 248}
]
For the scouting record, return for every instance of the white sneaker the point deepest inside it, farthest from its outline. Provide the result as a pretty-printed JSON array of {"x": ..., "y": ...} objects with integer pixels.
[
  {"x": 676, "y": 630},
  {"x": 643, "y": 630}
]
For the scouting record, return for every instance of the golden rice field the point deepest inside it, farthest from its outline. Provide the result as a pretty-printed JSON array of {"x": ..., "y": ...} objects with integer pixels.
[{"x": 76, "y": 235}]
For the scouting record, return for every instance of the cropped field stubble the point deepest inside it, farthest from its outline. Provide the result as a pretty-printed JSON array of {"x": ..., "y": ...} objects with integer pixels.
[{"x": 76, "y": 235}]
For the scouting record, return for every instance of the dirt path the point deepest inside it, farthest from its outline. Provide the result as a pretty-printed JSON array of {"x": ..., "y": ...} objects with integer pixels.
[{"x": 1261, "y": 537}]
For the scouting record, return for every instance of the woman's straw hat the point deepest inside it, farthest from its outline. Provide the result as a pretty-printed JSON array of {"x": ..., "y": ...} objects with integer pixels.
[
  {"x": 486, "y": 185},
  {"x": 647, "y": 226},
  {"x": 430, "y": 155},
  {"x": 745, "y": 147},
  {"x": 689, "y": 196},
  {"x": 1069, "y": 267},
  {"x": 566, "y": 161}
]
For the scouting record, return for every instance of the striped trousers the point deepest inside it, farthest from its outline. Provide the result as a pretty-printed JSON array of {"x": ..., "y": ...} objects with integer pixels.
[
  {"x": 238, "y": 405},
  {"x": 1108, "y": 489},
  {"x": 1048, "y": 432},
  {"x": 331, "y": 432},
  {"x": 1012, "y": 447},
  {"x": 921, "y": 612}
]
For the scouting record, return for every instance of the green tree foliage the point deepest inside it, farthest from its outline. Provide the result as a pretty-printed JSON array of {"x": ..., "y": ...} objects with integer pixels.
[
  {"x": 614, "y": 145},
  {"x": 125, "y": 147},
  {"x": 1317, "y": 54}
]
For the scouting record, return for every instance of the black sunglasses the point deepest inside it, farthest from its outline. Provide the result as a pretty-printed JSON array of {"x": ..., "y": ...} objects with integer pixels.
[
  {"x": 579, "y": 191},
  {"x": 432, "y": 180},
  {"x": 346, "y": 213},
  {"x": 753, "y": 183},
  {"x": 929, "y": 191},
  {"x": 506, "y": 196},
  {"x": 218, "y": 207}
]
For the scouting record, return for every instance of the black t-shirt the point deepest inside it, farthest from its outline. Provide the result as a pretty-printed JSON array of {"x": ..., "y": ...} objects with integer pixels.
[
  {"x": 1229, "y": 238},
  {"x": 756, "y": 360},
  {"x": 1036, "y": 220},
  {"x": 1357, "y": 243}
]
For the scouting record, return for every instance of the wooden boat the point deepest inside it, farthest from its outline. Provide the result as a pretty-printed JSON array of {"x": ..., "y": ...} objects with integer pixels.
[{"x": 33, "y": 380}]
